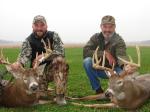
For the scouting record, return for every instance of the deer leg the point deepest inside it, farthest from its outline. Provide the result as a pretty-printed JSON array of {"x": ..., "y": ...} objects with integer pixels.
[
  {"x": 90, "y": 97},
  {"x": 107, "y": 105}
]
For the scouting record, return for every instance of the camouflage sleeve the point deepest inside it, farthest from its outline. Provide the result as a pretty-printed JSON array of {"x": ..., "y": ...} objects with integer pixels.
[
  {"x": 90, "y": 47},
  {"x": 121, "y": 51},
  {"x": 58, "y": 45},
  {"x": 25, "y": 54}
]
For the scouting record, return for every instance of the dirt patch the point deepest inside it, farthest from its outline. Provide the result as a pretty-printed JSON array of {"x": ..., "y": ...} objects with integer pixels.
[
  {"x": 73, "y": 45},
  {"x": 10, "y": 45},
  {"x": 19, "y": 45}
]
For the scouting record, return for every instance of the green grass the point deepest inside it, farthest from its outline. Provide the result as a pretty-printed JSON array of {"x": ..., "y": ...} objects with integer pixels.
[{"x": 78, "y": 83}]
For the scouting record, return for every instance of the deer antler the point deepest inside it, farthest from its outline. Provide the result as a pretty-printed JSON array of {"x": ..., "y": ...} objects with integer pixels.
[
  {"x": 96, "y": 63},
  {"x": 3, "y": 60},
  {"x": 131, "y": 61},
  {"x": 47, "y": 49},
  {"x": 37, "y": 62}
]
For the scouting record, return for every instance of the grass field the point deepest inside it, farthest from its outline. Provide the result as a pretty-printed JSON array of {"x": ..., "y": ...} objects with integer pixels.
[{"x": 78, "y": 83}]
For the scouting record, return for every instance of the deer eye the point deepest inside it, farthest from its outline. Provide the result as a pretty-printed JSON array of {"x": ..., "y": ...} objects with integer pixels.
[
  {"x": 25, "y": 80},
  {"x": 120, "y": 82}
]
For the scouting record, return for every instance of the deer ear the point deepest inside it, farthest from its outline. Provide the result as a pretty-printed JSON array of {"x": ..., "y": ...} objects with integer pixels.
[
  {"x": 40, "y": 69},
  {"x": 16, "y": 73}
]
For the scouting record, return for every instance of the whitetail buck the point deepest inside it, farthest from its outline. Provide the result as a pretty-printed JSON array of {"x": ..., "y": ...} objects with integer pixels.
[
  {"x": 124, "y": 90},
  {"x": 23, "y": 90}
]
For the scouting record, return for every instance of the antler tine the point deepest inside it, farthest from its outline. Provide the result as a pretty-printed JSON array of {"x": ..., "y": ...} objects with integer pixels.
[
  {"x": 1, "y": 55},
  {"x": 49, "y": 50},
  {"x": 113, "y": 66},
  {"x": 7, "y": 60},
  {"x": 36, "y": 61},
  {"x": 95, "y": 54},
  {"x": 42, "y": 54},
  {"x": 130, "y": 58},
  {"x": 103, "y": 63},
  {"x": 36, "y": 55},
  {"x": 96, "y": 57},
  {"x": 131, "y": 63},
  {"x": 18, "y": 56},
  {"x": 44, "y": 44},
  {"x": 139, "y": 55},
  {"x": 49, "y": 44},
  {"x": 3, "y": 60},
  {"x": 95, "y": 60}
]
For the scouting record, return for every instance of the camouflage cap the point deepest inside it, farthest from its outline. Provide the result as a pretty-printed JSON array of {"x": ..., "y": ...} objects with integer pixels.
[
  {"x": 39, "y": 18},
  {"x": 108, "y": 19}
]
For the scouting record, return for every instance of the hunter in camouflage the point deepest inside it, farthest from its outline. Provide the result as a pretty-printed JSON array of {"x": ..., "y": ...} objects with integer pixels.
[
  {"x": 33, "y": 44},
  {"x": 26, "y": 50},
  {"x": 114, "y": 46}
]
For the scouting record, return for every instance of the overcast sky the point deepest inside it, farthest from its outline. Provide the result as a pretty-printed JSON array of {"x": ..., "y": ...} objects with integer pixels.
[{"x": 75, "y": 20}]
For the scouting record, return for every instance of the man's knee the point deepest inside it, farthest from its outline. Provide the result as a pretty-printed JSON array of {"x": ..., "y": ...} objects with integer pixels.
[{"x": 87, "y": 62}]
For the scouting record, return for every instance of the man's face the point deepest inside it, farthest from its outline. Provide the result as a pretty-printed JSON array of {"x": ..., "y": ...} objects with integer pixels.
[
  {"x": 108, "y": 30},
  {"x": 39, "y": 28}
]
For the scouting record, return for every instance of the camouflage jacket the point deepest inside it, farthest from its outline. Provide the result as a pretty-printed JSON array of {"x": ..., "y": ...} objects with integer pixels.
[
  {"x": 116, "y": 46},
  {"x": 26, "y": 50}
]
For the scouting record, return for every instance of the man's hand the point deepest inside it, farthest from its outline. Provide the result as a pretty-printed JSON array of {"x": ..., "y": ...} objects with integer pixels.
[
  {"x": 130, "y": 69},
  {"x": 16, "y": 65},
  {"x": 110, "y": 58}
]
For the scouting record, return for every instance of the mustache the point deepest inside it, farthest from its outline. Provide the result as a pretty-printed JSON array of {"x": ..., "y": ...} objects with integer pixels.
[
  {"x": 108, "y": 32},
  {"x": 39, "y": 31}
]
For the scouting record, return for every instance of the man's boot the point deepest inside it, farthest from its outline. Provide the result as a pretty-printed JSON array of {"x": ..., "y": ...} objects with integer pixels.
[{"x": 99, "y": 90}]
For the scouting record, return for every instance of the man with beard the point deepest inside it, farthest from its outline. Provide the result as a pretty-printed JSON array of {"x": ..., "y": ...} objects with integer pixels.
[
  {"x": 33, "y": 44},
  {"x": 113, "y": 45}
]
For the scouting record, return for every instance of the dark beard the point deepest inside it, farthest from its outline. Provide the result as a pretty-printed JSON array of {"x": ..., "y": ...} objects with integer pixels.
[{"x": 39, "y": 33}]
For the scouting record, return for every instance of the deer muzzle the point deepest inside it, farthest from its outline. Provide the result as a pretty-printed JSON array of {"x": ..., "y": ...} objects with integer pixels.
[
  {"x": 109, "y": 93},
  {"x": 33, "y": 86}
]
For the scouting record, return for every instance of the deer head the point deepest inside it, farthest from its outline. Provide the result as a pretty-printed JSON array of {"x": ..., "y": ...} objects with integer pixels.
[
  {"x": 117, "y": 83},
  {"x": 28, "y": 78}
]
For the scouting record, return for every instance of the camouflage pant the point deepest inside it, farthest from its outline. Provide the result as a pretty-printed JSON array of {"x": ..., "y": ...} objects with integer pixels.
[
  {"x": 45, "y": 78},
  {"x": 55, "y": 70}
]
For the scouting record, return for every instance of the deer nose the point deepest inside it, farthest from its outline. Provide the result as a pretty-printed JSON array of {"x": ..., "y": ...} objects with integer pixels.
[
  {"x": 34, "y": 87},
  {"x": 108, "y": 93}
]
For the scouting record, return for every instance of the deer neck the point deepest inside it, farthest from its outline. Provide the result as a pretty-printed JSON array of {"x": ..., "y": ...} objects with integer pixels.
[{"x": 20, "y": 85}]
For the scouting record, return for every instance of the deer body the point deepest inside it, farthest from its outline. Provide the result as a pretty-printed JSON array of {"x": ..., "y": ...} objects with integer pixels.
[
  {"x": 24, "y": 90},
  {"x": 125, "y": 92},
  {"x": 129, "y": 93}
]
